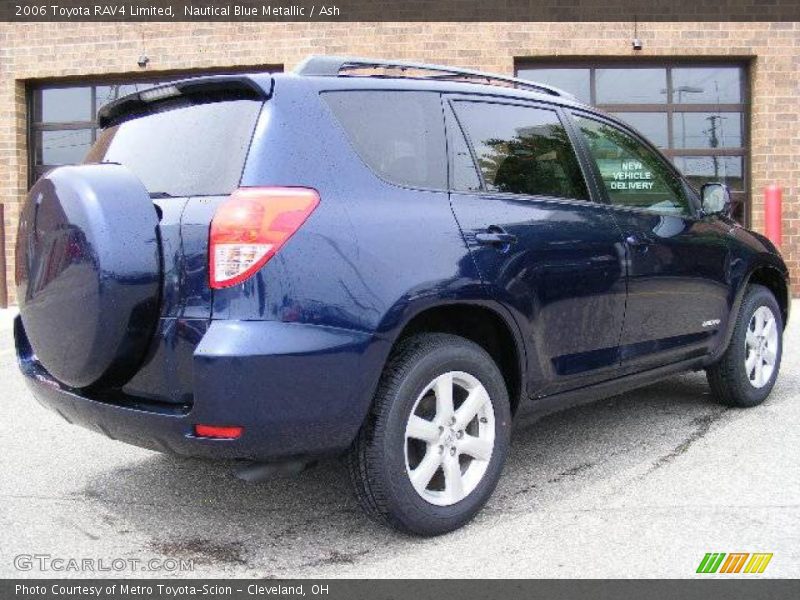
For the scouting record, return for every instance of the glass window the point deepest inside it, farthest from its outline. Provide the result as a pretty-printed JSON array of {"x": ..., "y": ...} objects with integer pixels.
[
  {"x": 399, "y": 135},
  {"x": 197, "y": 150},
  {"x": 522, "y": 150},
  {"x": 633, "y": 175},
  {"x": 53, "y": 142},
  {"x": 652, "y": 125},
  {"x": 574, "y": 81},
  {"x": 706, "y": 85},
  {"x": 64, "y": 105},
  {"x": 707, "y": 130},
  {"x": 465, "y": 175},
  {"x": 631, "y": 86},
  {"x": 63, "y": 147},
  {"x": 108, "y": 93},
  {"x": 64, "y": 120},
  {"x": 704, "y": 114},
  {"x": 703, "y": 169}
]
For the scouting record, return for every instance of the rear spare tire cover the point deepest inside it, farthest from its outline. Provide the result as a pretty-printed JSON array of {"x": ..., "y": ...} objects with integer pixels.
[{"x": 89, "y": 273}]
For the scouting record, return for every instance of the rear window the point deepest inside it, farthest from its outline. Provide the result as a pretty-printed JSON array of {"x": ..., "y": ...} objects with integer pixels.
[
  {"x": 399, "y": 135},
  {"x": 197, "y": 150}
]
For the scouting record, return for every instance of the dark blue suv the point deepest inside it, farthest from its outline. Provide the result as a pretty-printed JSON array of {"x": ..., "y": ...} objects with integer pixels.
[{"x": 382, "y": 260}]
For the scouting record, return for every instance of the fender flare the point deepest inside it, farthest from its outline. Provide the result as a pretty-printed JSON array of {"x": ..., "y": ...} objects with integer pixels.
[
  {"x": 733, "y": 316},
  {"x": 402, "y": 313}
]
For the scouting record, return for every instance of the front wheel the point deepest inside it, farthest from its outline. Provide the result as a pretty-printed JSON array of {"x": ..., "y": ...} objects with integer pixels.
[
  {"x": 432, "y": 449},
  {"x": 745, "y": 375}
]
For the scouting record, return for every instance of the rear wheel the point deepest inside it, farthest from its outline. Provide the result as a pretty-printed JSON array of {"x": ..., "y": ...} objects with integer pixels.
[
  {"x": 746, "y": 373},
  {"x": 433, "y": 447}
]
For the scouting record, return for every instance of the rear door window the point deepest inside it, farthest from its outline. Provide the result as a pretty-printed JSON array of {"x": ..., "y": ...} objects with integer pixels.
[
  {"x": 197, "y": 150},
  {"x": 522, "y": 150},
  {"x": 399, "y": 135}
]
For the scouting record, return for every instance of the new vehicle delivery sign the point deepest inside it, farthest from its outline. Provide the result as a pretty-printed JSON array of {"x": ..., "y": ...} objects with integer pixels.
[{"x": 631, "y": 175}]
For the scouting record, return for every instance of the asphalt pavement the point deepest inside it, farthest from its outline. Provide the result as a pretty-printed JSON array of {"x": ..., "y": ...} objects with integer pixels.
[{"x": 639, "y": 485}]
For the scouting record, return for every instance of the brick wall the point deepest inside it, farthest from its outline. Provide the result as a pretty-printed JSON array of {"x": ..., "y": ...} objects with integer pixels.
[{"x": 51, "y": 50}]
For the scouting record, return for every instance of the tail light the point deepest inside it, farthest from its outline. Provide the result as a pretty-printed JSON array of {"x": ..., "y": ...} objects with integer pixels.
[
  {"x": 218, "y": 432},
  {"x": 251, "y": 226}
]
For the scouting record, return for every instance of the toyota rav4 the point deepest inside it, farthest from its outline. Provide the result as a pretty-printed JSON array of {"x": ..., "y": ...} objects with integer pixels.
[{"x": 386, "y": 261}]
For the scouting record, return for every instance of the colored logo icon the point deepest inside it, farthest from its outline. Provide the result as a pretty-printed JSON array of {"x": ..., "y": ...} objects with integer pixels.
[{"x": 735, "y": 562}]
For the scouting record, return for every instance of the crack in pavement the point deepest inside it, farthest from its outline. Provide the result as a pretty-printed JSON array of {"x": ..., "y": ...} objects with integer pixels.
[
  {"x": 203, "y": 550},
  {"x": 335, "y": 557},
  {"x": 702, "y": 426},
  {"x": 571, "y": 472}
]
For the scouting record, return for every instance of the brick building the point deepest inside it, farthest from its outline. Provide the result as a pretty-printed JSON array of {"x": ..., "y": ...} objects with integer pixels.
[{"x": 720, "y": 98}]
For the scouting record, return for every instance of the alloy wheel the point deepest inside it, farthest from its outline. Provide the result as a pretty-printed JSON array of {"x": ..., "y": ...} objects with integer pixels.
[
  {"x": 449, "y": 438},
  {"x": 761, "y": 347}
]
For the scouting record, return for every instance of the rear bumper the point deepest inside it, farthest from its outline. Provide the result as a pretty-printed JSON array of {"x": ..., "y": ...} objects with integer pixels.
[{"x": 297, "y": 390}]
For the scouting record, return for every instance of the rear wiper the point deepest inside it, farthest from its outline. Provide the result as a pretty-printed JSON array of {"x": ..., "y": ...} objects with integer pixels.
[{"x": 161, "y": 195}]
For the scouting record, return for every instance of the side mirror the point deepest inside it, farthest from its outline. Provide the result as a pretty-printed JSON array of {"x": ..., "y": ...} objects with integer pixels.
[{"x": 716, "y": 199}]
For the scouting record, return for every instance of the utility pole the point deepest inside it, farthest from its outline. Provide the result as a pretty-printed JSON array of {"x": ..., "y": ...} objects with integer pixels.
[{"x": 713, "y": 140}]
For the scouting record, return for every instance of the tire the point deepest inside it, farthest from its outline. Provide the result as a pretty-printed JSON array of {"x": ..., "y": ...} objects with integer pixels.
[
  {"x": 735, "y": 382},
  {"x": 89, "y": 273},
  {"x": 386, "y": 451}
]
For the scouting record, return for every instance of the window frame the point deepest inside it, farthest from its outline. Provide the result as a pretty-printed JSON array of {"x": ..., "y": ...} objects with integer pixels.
[
  {"x": 454, "y": 126},
  {"x": 741, "y": 197},
  {"x": 453, "y": 129},
  {"x": 692, "y": 198},
  {"x": 37, "y": 125}
]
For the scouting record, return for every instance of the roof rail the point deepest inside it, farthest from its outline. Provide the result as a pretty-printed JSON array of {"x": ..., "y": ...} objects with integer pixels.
[{"x": 333, "y": 66}]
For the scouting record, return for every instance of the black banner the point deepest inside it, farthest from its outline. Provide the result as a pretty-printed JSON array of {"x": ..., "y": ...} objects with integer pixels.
[
  {"x": 508, "y": 589},
  {"x": 398, "y": 10}
]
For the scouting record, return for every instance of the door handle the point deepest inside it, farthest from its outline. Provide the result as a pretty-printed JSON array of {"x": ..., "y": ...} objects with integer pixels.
[{"x": 495, "y": 236}]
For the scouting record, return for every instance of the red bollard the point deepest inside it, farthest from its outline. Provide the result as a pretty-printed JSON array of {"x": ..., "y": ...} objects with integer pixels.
[{"x": 772, "y": 213}]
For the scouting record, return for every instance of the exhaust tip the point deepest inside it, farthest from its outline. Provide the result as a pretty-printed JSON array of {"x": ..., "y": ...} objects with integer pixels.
[{"x": 256, "y": 472}]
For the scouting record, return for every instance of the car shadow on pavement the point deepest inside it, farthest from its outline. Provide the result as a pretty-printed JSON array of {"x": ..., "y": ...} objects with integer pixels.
[{"x": 198, "y": 510}]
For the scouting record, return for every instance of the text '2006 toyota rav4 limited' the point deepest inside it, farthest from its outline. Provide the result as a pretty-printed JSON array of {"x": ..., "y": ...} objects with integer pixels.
[{"x": 381, "y": 260}]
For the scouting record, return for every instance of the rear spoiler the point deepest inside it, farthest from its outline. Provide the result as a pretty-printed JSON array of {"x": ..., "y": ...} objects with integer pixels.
[{"x": 181, "y": 93}]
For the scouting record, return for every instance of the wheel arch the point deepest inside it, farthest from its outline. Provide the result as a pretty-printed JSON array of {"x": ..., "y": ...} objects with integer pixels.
[
  {"x": 480, "y": 323},
  {"x": 771, "y": 277}
]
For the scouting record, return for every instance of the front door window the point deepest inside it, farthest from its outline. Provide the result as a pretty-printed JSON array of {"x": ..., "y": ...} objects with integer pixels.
[
  {"x": 634, "y": 176},
  {"x": 696, "y": 113}
]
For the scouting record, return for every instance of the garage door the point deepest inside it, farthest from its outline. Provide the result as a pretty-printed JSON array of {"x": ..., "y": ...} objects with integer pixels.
[
  {"x": 697, "y": 113},
  {"x": 63, "y": 124}
]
